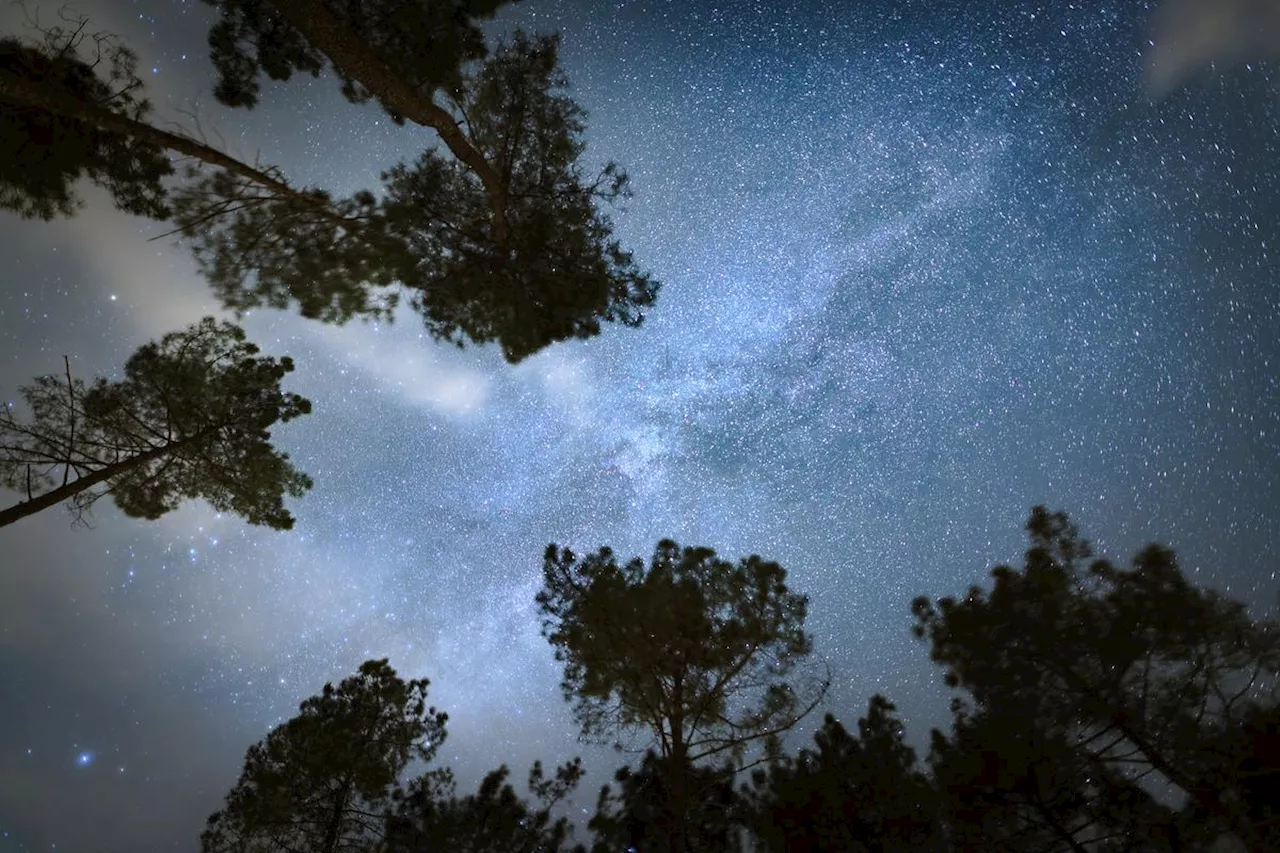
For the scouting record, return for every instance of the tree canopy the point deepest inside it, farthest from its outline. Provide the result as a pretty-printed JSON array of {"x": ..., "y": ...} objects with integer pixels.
[
  {"x": 555, "y": 272},
  {"x": 1138, "y": 671},
  {"x": 861, "y": 793},
  {"x": 332, "y": 780},
  {"x": 321, "y": 781},
  {"x": 664, "y": 807},
  {"x": 691, "y": 648},
  {"x": 699, "y": 653},
  {"x": 429, "y": 815},
  {"x": 190, "y": 420},
  {"x": 497, "y": 236},
  {"x": 47, "y": 151},
  {"x": 1007, "y": 783},
  {"x": 425, "y": 44},
  {"x": 646, "y": 643}
]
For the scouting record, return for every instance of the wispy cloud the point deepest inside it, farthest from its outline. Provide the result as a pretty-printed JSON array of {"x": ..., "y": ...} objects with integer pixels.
[
  {"x": 1190, "y": 35},
  {"x": 406, "y": 362}
]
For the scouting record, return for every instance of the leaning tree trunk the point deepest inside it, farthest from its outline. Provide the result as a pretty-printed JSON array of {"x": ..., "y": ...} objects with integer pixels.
[
  {"x": 326, "y": 32},
  {"x": 1206, "y": 797},
  {"x": 333, "y": 826},
  {"x": 66, "y": 492},
  {"x": 16, "y": 91}
]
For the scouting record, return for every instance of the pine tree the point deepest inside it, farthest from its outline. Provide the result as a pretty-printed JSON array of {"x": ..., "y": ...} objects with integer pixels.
[
  {"x": 701, "y": 654},
  {"x": 428, "y": 814},
  {"x": 859, "y": 793},
  {"x": 49, "y": 98},
  {"x": 189, "y": 420},
  {"x": 1137, "y": 670},
  {"x": 498, "y": 236},
  {"x": 322, "y": 781}
]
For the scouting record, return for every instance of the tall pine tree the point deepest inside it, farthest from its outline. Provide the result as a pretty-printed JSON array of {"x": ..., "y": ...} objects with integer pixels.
[{"x": 189, "y": 420}]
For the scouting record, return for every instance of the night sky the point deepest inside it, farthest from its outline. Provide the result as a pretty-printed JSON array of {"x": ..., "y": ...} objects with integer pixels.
[{"x": 925, "y": 265}]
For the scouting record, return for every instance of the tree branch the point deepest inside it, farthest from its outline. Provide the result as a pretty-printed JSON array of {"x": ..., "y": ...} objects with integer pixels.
[{"x": 357, "y": 60}]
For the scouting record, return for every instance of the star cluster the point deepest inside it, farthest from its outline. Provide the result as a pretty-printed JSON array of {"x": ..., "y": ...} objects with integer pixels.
[{"x": 925, "y": 265}]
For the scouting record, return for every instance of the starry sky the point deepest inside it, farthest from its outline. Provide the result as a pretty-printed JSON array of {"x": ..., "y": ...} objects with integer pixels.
[{"x": 925, "y": 265}]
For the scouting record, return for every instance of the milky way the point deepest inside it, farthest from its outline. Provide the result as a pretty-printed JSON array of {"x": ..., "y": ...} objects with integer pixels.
[{"x": 925, "y": 265}]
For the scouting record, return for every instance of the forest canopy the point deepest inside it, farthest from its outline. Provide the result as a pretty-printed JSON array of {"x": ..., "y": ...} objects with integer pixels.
[{"x": 1036, "y": 760}]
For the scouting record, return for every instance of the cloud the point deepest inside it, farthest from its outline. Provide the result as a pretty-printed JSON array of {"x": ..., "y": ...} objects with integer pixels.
[
  {"x": 158, "y": 288},
  {"x": 403, "y": 360},
  {"x": 1190, "y": 35}
]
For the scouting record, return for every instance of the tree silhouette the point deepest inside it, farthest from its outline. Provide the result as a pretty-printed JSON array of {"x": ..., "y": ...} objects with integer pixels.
[
  {"x": 1249, "y": 755},
  {"x": 556, "y": 274},
  {"x": 1137, "y": 670},
  {"x": 506, "y": 239},
  {"x": 428, "y": 815},
  {"x": 1257, "y": 767},
  {"x": 47, "y": 151},
  {"x": 63, "y": 121},
  {"x": 332, "y": 260},
  {"x": 425, "y": 44},
  {"x": 189, "y": 420},
  {"x": 644, "y": 813},
  {"x": 399, "y": 52},
  {"x": 322, "y": 781},
  {"x": 1008, "y": 786},
  {"x": 501, "y": 240},
  {"x": 858, "y": 794},
  {"x": 696, "y": 651}
]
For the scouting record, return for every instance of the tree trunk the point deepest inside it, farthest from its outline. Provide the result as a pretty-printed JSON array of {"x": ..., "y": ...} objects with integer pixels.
[
  {"x": 22, "y": 93},
  {"x": 66, "y": 492},
  {"x": 679, "y": 784},
  {"x": 333, "y": 830},
  {"x": 1206, "y": 797},
  {"x": 326, "y": 33}
]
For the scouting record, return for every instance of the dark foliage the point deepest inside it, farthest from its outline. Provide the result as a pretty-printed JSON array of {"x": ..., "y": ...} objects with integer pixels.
[
  {"x": 664, "y": 804},
  {"x": 556, "y": 272},
  {"x": 320, "y": 782},
  {"x": 1136, "y": 671},
  {"x": 43, "y": 154},
  {"x": 496, "y": 236},
  {"x": 1007, "y": 785},
  {"x": 332, "y": 259},
  {"x": 1249, "y": 757},
  {"x": 700, "y": 653},
  {"x": 429, "y": 816},
  {"x": 691, "y": 649},
  {"x": 189, "y": 420},
  {"x": 851, "y": 794},
  {"x": 553, "y": 272},
  {"x": 696, "y": 652},
  {"x": 1257, "y": 767},
  {"x": 425, "y": 42}
]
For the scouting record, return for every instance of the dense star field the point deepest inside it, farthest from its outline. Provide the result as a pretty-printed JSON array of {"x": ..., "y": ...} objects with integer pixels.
[{"x": 925, "y": 265}]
